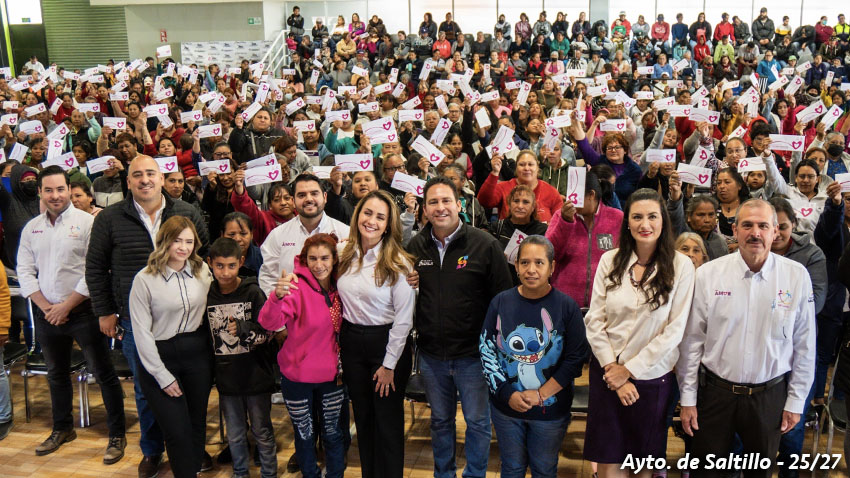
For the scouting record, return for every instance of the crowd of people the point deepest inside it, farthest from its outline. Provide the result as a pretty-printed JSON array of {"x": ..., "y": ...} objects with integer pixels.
[{"x": 661, "y": 205}]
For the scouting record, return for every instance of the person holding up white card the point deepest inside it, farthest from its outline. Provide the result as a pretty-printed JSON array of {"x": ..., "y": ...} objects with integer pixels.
[
  {"x": 495, "y": 194},
  {"x": 838, "y": 161},
  {"x": 520, "y": 223},
  {"x": 805, "y": 196},
  {"x": 252, "y": 141}
]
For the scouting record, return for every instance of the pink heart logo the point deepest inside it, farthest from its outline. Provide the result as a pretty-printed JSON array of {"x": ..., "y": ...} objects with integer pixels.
[
  {"x": 604, "y": 90},
  {"x": 419, "y": 190},
  {"x": 519, "y": 239},
  {"x": 550, "y": 122},
  {"x": 687, "y": 111},
  {"x": 668, "y": 157},
  {"x": 818, "y": 109},
  {"x": 365, "y": 164},
  {"x": 434, "y": 158},
  {"x": 446, "y": 125},
  {"x": 526, "y": 87},
  {"x": 620, "y": 125},
  {"x": 806, "y": 211},
  {"x": 703, "y": 178},
  {"x": 216, "y": 131},
  {"x": 37, "y": 129},
  {"x": 495, "y": 149},
  {"x": 169, "y": 166},
  {"x": 703, "y": 155},
  {"x": 418, "y": 115},
  {"x": 712, "y": 118},
  {"x": 836, "y": 113},
  {"x": 510, "y": 146},
  {"x": 387, "y": 125},
  {"x": 270, "y": 161},
  {"x": 573, "y": 198},
  {"x": 553, "y": 132},
  {"x": 743, "y": 163},
  {"x": 344, "y": 116},
  {"x": 310, "y": 126},
  {"x": 391, "y": 137},
  {"x": 273, "y": 175},
  {"x": 69, "y": 162},
  {"x": 120, "y": 124},
  {"x": 796, "y": 144},
  {"x": 223, "y": 167}
]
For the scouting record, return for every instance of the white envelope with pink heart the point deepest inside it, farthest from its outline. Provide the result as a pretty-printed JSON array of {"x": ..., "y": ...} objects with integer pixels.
[
  {"x": 844, "y": 180},
  {"x": 10, "y": 119},
  {"x": 156, "y": 110},
  {"x": 218, "y": 167},
  {"x": 560, "y": 121},
  {"x": 408, "y": 184},
  {"x": 32, "y": 127},
  {"x": 787, "y": 142},
  {"x": 410, "y": 115},
  {"x": 194, "y": 115},
  {"x": 306, "y": 125},
  {"x": 575, "y": 185},
  {"x": 694, "y": 175},
  {"x": 811, "y": 112},
  {"x": 427, "y": 150},
  {"x": 832, "y": 116},
  {"x": 597, "y": 91},
  {"x": 262, "y": 161},
  {"x": 338, "y": 115},
  {"x": 263, "y": 175},
  {"x": 751, "y": 164},
  {"x": 512, "y": 249},
  {"x": 167, "y": 164},
  {"x": 354, "y": 162},
  {"x": 35, "y": 109},
  {"x": 380, "y": 125},
  {"x": 660, "y": 156},
  {"x": 96, "y": 165},
  {"x": 701, "y": 157},
  {"x": 613, "y": 125},
  {"x": 114, "y": 123},
  {"x": 66, "y": 161},
  {"x": 704, "y": 115},
  {"x": 209, "y": 130}
]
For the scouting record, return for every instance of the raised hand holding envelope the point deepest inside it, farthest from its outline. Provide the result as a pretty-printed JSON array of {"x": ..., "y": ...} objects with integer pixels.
[
  {"x": 844, "y": 180},
  {"x": 167, "y": 164},
  {"x": 751, "y": 164},
  {"x": 694, "y": 175},
  {"x": 262, "y": 175},
  {"x": 218, "y": 167},
  {"x": 266, "y": 160},
  {"x": 408, "y": 184},
  {"x": 575, "y": 185},
  {"x": 96, "y": 165},
  {"x": 787, "y": 142},
  {"x": 354, "y": 162},
  {"x": 428, "y": 150},
  {"x": 660, "y": 156},
  {"x": 613, "y": 125},
  {"x": 209, "y": 131}
]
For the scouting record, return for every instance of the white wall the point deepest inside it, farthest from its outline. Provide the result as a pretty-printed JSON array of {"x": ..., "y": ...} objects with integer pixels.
[
  {"x": 186, "y": 23},
  {"x": 274, "y": 18}
]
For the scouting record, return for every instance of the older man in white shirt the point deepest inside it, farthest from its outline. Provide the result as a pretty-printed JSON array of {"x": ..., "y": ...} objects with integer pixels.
[
  {"x": 51, "y": 269},
  {"x": 747, "y": 360}
]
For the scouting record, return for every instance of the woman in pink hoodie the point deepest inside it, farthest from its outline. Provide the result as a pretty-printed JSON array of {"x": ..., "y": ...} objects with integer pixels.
[
  {"x": 309, "y": 358},
  {"x": 581, "y": 236}
]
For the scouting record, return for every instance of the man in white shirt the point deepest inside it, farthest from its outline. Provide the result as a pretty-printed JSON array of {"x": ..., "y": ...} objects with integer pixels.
[
  {"x": 51, "y": 270},
  {"x": 284, "y": 243},
  {"x": 747, "y": 359},
  {"x": 34, "y": 64}
]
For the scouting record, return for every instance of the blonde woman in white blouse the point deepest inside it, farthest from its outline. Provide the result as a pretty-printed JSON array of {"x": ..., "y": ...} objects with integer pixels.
[
  {"x": 641, "y": 297},
  {"x": 167, "y": 304},
  {"x": 378, "y": 308}
]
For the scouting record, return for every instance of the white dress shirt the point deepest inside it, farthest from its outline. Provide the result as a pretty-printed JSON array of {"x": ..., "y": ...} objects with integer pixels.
[
  {"x": 622, "y": 327},
  {"x": 365, "y": 303},
  {"x": 751, "y": 327},
  {"x": 52, "y": 257},
  {"x": 164, "y": 305},
  {"x": 151, "y": 226},
  {"x": 285, "y": 242}
]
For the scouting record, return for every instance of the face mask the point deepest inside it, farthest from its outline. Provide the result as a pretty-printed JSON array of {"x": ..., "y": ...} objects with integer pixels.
[
  {"x": 823, "y": 22},
  {"x": 30, "y": 188},
  {"x": 287, "y": 97},
  {"x": 834, "y": 150}
]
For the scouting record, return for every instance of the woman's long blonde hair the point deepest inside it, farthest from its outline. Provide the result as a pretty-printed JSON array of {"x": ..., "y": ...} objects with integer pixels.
[
  {"x": 393, "y": 260},
  {"x": 166, "y": 236}
]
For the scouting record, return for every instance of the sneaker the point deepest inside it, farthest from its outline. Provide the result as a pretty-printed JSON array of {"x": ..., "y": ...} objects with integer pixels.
[
  {"x": 277, "y": 398},
  {"x": 5, "y": 428},
  {"x": 54, "y": 441},
  {"x": 114, "y": 450},
  {"x": 224, "y": 457},
  {"x": 206, "y": 462},
  {"x": 149, "y": 466}
]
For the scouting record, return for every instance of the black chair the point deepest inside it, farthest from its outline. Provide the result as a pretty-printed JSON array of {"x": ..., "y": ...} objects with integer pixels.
[
  {"x": 415, "y": 390},
  {"x": 36, "y": 365},
  {"x": 581, "y": 397},
  {"x": 12, "y": 354},
  {"x": 834, "y": 415}
]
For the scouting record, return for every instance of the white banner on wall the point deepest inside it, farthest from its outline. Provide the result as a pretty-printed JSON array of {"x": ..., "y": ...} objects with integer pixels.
[{"x": 222, "y": 53}]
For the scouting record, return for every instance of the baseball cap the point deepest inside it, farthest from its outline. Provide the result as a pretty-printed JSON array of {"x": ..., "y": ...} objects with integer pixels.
[
  {"x": 622, "y": 13},
  {"x": 792, "y": 57}
]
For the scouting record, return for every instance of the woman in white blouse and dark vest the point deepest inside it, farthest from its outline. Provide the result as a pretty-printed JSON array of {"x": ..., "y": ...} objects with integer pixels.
[
  {"x": 378, "y": 308},
  {"x": 167, "y": 304},
  {"x": 638, "y": 311}
]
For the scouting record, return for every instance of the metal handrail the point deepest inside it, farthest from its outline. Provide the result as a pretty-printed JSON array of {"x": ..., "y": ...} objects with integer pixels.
[{"x": 276, "y": 53}]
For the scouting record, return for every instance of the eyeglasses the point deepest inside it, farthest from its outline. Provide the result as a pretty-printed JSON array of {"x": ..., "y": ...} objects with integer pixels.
[
  {"x": 614, "y": 147},
  {"x": 223, "y": 155},
  {"x": 393, "y": 168}
]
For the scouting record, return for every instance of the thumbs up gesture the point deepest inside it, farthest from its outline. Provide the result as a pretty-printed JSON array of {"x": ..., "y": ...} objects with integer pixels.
[{"x": 285, "y": 283}]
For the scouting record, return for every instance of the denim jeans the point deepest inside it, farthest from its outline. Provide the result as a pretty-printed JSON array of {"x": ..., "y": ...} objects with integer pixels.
[
  {"x": 444, "y": 379},
  {"x": 5, "y": 393},
  {"x": 56, "y": 341},
  {"x": 529, "y": 443},
  {"x": 328, "y": 398},
  {"x": 257, "y": 409},
  {"x": 151, "y": 442}
]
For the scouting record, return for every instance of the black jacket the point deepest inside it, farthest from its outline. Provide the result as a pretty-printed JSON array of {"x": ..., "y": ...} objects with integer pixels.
[
  {"x": 503, "y": 230},
  {"x": 245, "y": 364},
  {"x": 17, "y": 208},
  {"x": 119, "y": 248},
  {"x": 832, "y": 236},
  {"x": 454, "y": 297},
  {"x": 248, "y": 144}
]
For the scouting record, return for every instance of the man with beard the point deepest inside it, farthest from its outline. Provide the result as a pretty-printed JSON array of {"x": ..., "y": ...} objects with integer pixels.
[
  {"x": 284, "y": 243},
  {"x": 747, "y": 358}
]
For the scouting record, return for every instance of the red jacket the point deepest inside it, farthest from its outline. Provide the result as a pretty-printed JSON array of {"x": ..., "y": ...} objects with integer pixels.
[
  {"x": 495, "y": 194},
  {"x": 701, "y": 51},
  {"x": 724, "y": 29},
  {"x": 184, "y": 159},
  {"x": 660, "y": 31},
  {"x": 264, "y": 221}
]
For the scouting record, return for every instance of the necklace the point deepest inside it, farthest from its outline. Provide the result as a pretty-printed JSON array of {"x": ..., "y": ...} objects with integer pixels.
[{"x": 649, "y": 269}]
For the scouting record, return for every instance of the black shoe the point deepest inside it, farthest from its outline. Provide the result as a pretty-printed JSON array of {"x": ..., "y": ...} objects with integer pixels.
[
  {"x": 149, "y": 466},
  {"x": 224, "y": 457},
  {"x": 54, "y": 441},
  {"x": 5, "y": 428},
  {"x": 206, "y": 462},
  {"x": 292, "y": 465}
]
